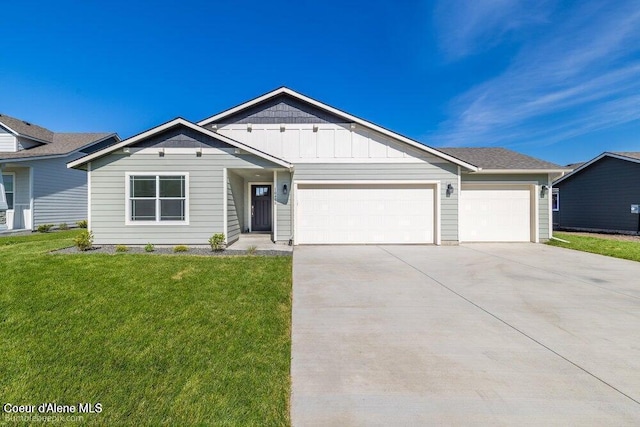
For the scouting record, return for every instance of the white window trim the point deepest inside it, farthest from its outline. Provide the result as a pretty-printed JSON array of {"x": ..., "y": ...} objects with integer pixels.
[
  {"x": 4, "y": 188},
  {"x": 556, "y": 192},
  {"x": 127, "y": 199}
]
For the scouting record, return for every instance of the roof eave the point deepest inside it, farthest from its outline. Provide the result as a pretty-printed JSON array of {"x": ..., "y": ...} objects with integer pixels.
[{"x": 519, "y": 171}]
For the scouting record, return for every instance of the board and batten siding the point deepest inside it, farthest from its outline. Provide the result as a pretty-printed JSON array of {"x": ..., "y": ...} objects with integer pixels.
[
  {"x": 446, "y": 173},
  {"x": 59, "y": 193},
  {"x": 543, "y": 214},
  {"x": 205, "y": 195},
  {"x": 325, "y": 143}
]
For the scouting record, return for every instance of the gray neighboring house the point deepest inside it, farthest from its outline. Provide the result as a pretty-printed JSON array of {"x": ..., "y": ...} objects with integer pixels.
[
  {"x": 308, "y": 173},
  {"x": 36, "y": 187},
  {"x": 598, "y": 194}
]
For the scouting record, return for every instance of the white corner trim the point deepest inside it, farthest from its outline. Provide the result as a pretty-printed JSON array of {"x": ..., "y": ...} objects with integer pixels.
[
  {"x": 275, "y": 206},
  {"x": 459, "y": 190},
  {"x": 438, "y": 221},
  {"x": 536, "y": 210},
  {"x": 89, "y": 196},
  {"x": 31, "y": 197},
  {"x": 127, "y": 209},
  {"x": 225, "y": 204}
]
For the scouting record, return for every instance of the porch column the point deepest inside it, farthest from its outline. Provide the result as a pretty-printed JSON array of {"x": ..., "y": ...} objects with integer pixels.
[{"x": 3, "y": 204}]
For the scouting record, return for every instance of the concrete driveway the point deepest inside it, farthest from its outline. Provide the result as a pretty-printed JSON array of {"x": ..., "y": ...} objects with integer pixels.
[{"x": 493, "y": 334}]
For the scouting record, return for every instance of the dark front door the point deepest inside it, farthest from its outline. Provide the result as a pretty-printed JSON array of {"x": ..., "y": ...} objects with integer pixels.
[{"x": 260, "y": 208}]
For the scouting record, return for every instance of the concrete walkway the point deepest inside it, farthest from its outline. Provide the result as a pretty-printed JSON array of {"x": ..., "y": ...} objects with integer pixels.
[{"x": 485, "y": 334}]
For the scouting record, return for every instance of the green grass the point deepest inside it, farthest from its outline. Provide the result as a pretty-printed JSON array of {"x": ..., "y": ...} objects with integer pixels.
[
  {"x": 155, "y": 339},
  {"x": 614, "y": 248}
]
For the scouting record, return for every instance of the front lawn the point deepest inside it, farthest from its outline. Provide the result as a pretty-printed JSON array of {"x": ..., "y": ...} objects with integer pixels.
[
  {"x": 614, "y": 248},
  {"x": 154, "y": 339}
]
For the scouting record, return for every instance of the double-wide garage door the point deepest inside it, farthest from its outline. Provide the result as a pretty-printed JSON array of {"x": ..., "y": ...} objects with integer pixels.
[
  {"x": 364, "y": 213},
  {"x": 495, "y": 214}
]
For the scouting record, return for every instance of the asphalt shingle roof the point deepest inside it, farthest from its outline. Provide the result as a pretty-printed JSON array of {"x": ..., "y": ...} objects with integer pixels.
[
  {"x": 27, "y": 129},
  {"x": 630, "y": 154},
  {"x": 56, "y": 143},
  {"x": 498, "y": 158}
]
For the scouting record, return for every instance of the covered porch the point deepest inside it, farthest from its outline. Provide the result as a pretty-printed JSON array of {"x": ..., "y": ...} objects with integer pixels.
[
  {"x": 257, "y": 203},
  {"x": 16, "y": 197}
]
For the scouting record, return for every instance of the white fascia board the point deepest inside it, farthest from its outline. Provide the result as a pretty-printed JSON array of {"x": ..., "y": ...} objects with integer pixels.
[
  {"x": 175, "y": 122},
  {"x": 592, "y": 161},
  {"x": 518, "y": 171},
  {"x": 347, "y": 116},
  {"x": 9, "y": 129}
]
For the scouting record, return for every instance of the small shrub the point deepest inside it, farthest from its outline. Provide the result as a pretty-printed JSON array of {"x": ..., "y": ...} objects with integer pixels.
[
  {"x": 149, "y": 247},
  {"x": 82, "y": 224},
  {"x": 44, "y": 228},
  {"x": 180, "y": 248},
  {"x": 84, "y": 240},
  {"x": 251, "y": 250},
  {"x": 122, "y": 248},
  {"x": 63, "y": 226},
  {"x": 217, "y": 242}
]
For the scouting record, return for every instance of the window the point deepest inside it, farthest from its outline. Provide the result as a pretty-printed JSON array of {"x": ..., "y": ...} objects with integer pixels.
[
  {"x": 555, "y": 200},
  {"x": 157, "y": 198},
  {"x": 8, "y": 189}
]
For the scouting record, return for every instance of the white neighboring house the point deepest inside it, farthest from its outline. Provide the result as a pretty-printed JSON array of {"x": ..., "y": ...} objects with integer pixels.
[{"x": 35, "y": 185}]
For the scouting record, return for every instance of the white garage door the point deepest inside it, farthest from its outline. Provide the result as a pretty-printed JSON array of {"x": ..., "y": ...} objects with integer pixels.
[
  {"x": 364, "y": 213},
  {"x": 490, "y": 214}
]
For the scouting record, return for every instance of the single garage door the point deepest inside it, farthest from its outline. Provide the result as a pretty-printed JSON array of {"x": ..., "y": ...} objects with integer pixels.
[
  {"x": 364, "y": 213},
  {"x": 495, "y": 214}
]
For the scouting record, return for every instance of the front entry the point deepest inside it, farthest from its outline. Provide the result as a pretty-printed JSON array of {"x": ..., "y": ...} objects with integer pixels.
[{"x": 261, "y": 207}]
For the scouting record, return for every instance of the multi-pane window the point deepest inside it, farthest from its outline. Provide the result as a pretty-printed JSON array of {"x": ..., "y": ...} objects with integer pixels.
[
  {"x": 157, "y": 198},
  {"x": 8, "y": 189},
  {"x": 555, "y": 199}
]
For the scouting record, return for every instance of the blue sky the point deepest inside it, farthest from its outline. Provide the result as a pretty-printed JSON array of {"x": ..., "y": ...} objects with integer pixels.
[{"x": 559, "y": 80}]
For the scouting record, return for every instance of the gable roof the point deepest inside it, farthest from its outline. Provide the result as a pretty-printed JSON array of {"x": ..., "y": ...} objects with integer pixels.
[
  {"x": 179, "y": 121},
  {"x": 501, "y": 160},
  {"x": 61, "y": 145},
  {"x": 346, "y": 116},
  {"x": 630, "y": 156},
  {"x": 23, "y": 128}
]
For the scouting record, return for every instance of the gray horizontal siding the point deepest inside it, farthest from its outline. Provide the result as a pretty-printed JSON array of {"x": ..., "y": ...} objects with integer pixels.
[
  {"x": 206, "y": 193},
  {"x": 235, "y": 206},
  {"x": 284, "y": 208},
  {"x": 444, "y": 172},
  {"x": 600, "y": 196},
  {"x": 7, "y": 143},
  {"x": 59, "y": 193},
  {"x": 539, "y": 179}
]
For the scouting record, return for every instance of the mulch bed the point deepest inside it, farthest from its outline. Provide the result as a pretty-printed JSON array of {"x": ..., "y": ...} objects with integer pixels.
[{"x": 111, "y": 250}]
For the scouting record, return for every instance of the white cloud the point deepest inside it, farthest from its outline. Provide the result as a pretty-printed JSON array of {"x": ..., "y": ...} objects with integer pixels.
[
  {"x": 467, "y": 27},
  {"x": 582, "y": 76}
]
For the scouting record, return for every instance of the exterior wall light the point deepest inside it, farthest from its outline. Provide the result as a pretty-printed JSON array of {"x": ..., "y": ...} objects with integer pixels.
[
  {"x": 449, "y": 189},
  {"x": 285, "y": 190},
  {"x": 543, "y": 190}
]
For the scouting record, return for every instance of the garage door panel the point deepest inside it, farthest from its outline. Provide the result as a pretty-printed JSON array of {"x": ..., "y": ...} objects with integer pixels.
[
  {"x": 495, "y": 214},
  {"x": 357, "y": 213}
]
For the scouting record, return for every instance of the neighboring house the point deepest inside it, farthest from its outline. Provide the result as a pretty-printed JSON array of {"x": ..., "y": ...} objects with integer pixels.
[
  {"x": 598, "y": 194},
  {"x": 36, "y": 187},
  {"x": 308, "y": 173}
]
